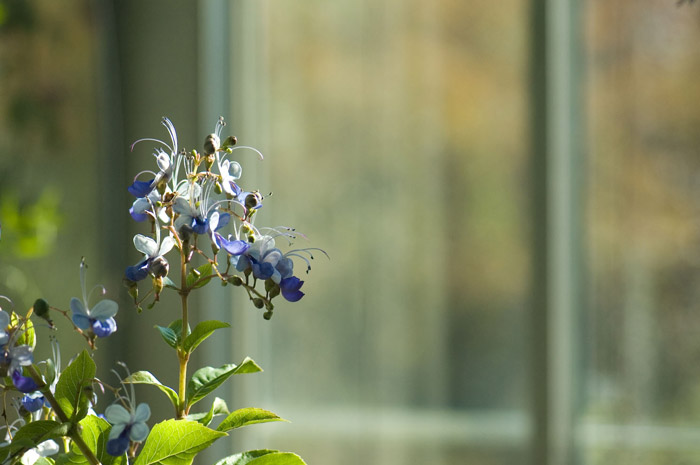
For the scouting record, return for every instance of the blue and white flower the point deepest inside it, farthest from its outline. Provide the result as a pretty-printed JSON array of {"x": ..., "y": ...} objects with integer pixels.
[
  {"x": 98, "y": 319},
  {"x": 128, "y": 423},
  {"x": 154, "y": 261}
]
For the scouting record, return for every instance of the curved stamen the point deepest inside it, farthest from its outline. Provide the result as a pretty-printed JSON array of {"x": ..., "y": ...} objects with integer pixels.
[
  {"x": 152, "y": 140},
  {"x": 219, "y": 126},
  {"x": 103, "y": 291},
  {"x": 250, "y": 148},
  {"x": 144, "y": 172},
  {"x": 171, "y": 130},
  {"x": 12, "y": 304}
]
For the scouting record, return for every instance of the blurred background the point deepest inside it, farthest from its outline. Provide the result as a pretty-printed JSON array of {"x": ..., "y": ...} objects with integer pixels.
[{"x": 507, "y": 191}]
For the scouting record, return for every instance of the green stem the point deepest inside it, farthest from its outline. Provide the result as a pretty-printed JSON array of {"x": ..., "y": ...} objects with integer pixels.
[
  {"x": 183, "y": 357},
  {"x": 74, "y": 434}
]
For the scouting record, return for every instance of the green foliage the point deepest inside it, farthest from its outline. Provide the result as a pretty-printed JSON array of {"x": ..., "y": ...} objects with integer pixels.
[
  {"x": 218, "y": 407},
  {"x": 39, "y": 431},
  {"x": 74, "y": 387},
  {"x": 94, "y": 431},
  {"x": 262, "y": 457},
  {"x": 28, "y": 335},
  {"x": 145, "y": 377},
  {"x": 247, "y": 416},
  {"x": 168, "y": 336},
  {"x": 176, "y": 442},
  {"x": 206, "y": 379},
  {"x": 200, "y": 332},
  {"x": 196, "y": 274}
]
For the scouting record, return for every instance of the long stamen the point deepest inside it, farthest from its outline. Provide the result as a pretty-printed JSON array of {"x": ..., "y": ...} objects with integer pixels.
[
  {"x": 144, "y": 172},
  {"x": 83, "y": 271},
  {"x": 152, "y": 140},
  {"x": 238, "y": 147},
  {"x": 12, "y": 305}
]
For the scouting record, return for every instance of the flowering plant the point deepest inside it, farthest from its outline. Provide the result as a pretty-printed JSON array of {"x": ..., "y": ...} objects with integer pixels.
[{"x": 202, "y": 220}]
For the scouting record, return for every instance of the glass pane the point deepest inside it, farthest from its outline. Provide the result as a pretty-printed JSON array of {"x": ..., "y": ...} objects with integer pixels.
[
  {"x": 643, "y": 383},
  {"x": 397, "y": 141}
]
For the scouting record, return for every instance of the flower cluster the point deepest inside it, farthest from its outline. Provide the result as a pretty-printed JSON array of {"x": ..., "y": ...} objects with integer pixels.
[{"x": 195, "y": 203}]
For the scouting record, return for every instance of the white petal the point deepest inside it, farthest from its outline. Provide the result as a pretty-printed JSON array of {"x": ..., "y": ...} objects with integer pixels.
[
  {"x": 115, "y": 414},
  {"x": 47, "y": 448},
  {"x": 104, "y": 309},
  {"x": 167, "y": 245},
  {"x": 145, "y": 245},
  {"x": 213, "y": 221},
  {"x": 143, "y": 413}
]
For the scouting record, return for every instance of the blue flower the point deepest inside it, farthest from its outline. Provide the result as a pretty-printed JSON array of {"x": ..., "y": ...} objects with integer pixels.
[
  {"x": 14, "y": 358},
  {"x": 197, "y": 219},
  {"x": 99, "y": 319},
  {"x": 290, "y": 288},
  {"x": 168, "y": 164},
  {"x": 126, "y": 427},
  {"x": 33, "y": 401},
  {"x": 140, "y": 189},
  {"x": 154, "y": 261}
]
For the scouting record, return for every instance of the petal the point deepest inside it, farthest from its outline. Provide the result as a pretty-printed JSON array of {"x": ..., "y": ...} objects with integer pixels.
[
  {"x": 140, "y": 188},
  {"x": 163, "y": 161},
  {"x": 22, "y": 355},
  {"x": 81, "y": 321},
  {"x": 4, "y": 337},
  {"x": 182, "y": 206},
  {"x": 214, "y": 221},
  {"x": 142, "y": 413},
  {"x": 223, "y": 221},
  {"x": 103, "y": 328},
  {"x": 145, "y": 245},
  {"x": 115, "y": 413},
  {"x": 116, "y": 430},
  {"x": 48, "y": 448},
  {"x": 77, "y": 307},
  {"x": 118, "y": 445},
  {"x": 290, "y": 288},
  {"x": 167, "y": 245},
  {"x": 104, "y": 309},
  {"x": 138, "y": 432},
  {"x": 32, "y": 403},
  {"x": 233, "y": 247},
  {"x": 137, "y": 272},
  {"x": 4, "y": 319},
  {"x": 23, "y": 383}
]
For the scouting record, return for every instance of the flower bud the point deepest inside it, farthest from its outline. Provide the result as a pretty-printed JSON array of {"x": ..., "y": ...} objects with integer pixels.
[
  {"x": 230, "y": 141},
  {"x": 211, "y": 144},
  {"x": 157, "y": 285},
  {"x": 253, "y": 200},
  {"x": 258, "y": 302},
  {"x": 267, "y": 315},
  {"x": 235, "y": 280},
  {"x": 158, "y": 267},
  {"x": 41, "y": 308}
]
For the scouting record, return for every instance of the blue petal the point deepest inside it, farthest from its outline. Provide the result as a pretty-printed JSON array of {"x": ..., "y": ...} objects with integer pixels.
[
  {"x": 137, "y": 216},
  {"x": 23, "y": 383},
  {"x": 81, "y": 321},
  {"x": 290, "y": 289},
  {"x": 224, "y": 219},
  {"x": 137, "y": 272},
  {"x": 233, "y": 247},
  {"x": 103, "y": 328},
  {"x": 263, "y": 270},
  {"x": 32, "y": 404},
  {"x": 141, "y": 188},
  {"x": 119, "y": 445},
  {"x": 243, "y": 263},
  {"x": 199, "y": 225}
]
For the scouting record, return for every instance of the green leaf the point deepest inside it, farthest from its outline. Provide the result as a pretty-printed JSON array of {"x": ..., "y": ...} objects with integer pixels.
[
  {"x": 176, "y": 442},
  {"x": 247, "y": 416},
  {"x": 206, "y": 379},
  {"x": 28, "y": 336},
  {"x": 168, "y": 335},
  {"x": 262, "y": 457},
  {"x": 71, "y": 385},
  {"x": 37, "y": 431},
  {"x": 200, "y": 332},
  {"x": 218, "y": 407},
  {"x": 145, "y": 377},
  {"x": 194, "y": 275},
  {"x": 94, "y": 431}
]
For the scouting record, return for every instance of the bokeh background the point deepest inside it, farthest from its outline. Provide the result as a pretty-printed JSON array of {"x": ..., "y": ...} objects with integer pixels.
[{"x": 508, "y": 192}]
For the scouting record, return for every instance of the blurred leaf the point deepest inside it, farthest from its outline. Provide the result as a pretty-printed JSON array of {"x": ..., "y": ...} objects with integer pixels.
[
  {"x": 218, "y": 407},
  {"x": 262, "y": 457}
]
